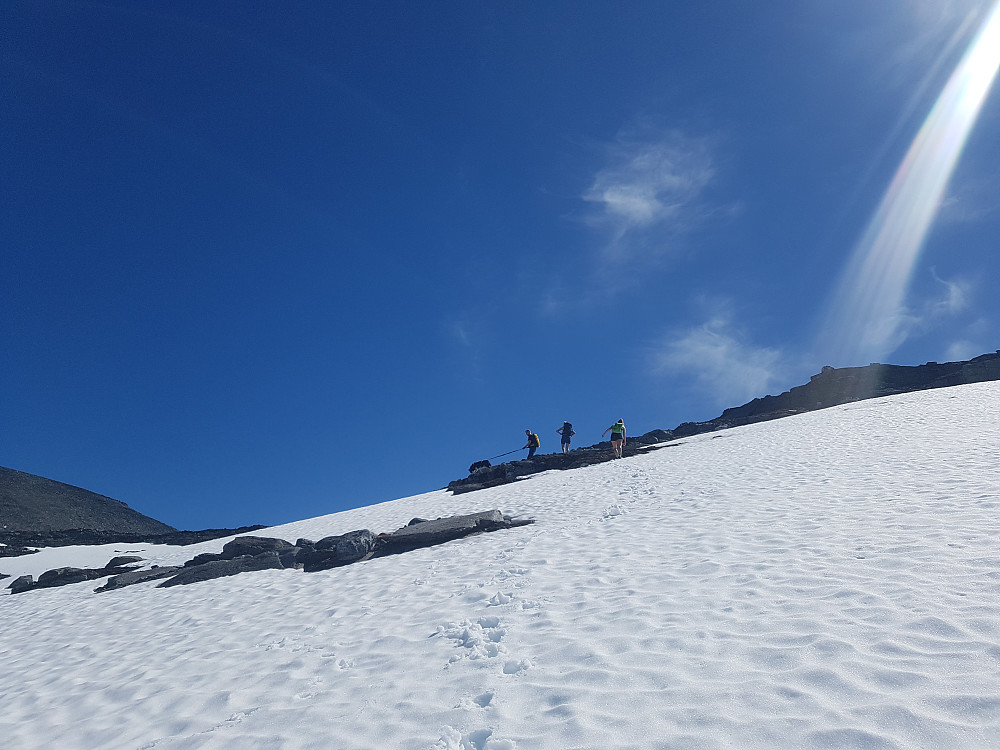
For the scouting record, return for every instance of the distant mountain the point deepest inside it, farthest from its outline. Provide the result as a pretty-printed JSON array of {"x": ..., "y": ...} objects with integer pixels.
[
  {"x": 32, "y": 505},
  {"x": 40, "y": 512}
]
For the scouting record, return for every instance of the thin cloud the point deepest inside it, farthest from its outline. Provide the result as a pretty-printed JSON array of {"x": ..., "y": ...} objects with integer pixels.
[
  {"x": 955, "y": 299},
  {"x": 652, "y": 181},
  {"x": 959, "y": 351},
  {"x": 715, "y": 359}
]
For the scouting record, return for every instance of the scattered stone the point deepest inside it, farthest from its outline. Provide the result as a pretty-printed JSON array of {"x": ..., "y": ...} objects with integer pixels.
[
  {"x": 251, "y": 553},
  {"x": 222, "y": 568}
]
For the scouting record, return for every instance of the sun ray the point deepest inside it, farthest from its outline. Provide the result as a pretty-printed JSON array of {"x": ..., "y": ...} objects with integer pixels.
[{"x": 867, "y": 315}]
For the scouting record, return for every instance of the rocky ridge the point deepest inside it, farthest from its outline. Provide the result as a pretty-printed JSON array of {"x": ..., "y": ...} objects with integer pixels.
[
  {"x": 831, "y": 387},
  {"x": 250, "y": 553}
]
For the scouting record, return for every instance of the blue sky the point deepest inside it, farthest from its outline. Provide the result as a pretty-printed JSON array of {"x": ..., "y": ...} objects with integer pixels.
[{"x": 264, "y": 261}]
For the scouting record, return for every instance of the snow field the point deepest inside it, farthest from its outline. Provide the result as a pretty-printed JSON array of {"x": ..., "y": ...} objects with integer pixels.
[{"x": 829, "y": 580}]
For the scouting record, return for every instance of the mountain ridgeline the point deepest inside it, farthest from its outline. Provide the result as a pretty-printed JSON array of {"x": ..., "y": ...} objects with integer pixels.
[
  {"x": 834, "y": 386},
  {"x": 830, "y": 387},
  {"x": 40, "y": 512},
  {"x": 35, "y": 511}
]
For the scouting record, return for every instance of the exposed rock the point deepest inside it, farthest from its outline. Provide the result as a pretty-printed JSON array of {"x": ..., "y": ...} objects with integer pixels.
[
  {"x": 484, "y": 464},
  {"x": 335, "y": 551},
  {"x": 117, "y": 562},
  {"x": 834, "y": 386},
  {"x": 290, "y": 558},
  {"x": 11, "y": 550},
  {"x": 69, "y": 537},
  {"x": 830, "y": 387},
  {"x": 223, "y": 568},
  {"x": 21, "y": 584},
  {"x": 430, "y": 533},
  {"x": 252, "y": 546},
  {"x": 66, "y": 576},
  {"x": 60, "y": 577},
  {"x": 138, "y": 576}
]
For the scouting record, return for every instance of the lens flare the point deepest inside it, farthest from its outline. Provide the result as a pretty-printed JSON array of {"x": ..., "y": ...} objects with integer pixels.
[{"x": 867, "y": 317}]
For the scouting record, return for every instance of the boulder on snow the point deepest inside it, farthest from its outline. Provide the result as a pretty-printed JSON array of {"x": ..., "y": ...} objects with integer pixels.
[
  {"x": 429, "y": 533},
  {"x": 60, "y": 577},
  {"x": 117, "y": 562},
  {"x": 21, "y": 584},
  {"x": 253, "y": 546},
  {"x": 221, "y": 568},
  {"x": 138, "y": 576},
  {"x": 334, "y": 551},
  {"x": 204, "y": 557}
]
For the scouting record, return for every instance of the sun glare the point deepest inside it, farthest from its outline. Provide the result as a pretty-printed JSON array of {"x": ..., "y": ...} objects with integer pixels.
[{"x": 868, "y": 318}]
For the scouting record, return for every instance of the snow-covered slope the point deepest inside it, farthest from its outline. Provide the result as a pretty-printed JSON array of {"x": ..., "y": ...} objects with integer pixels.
[{"x": 829, "y": 580}]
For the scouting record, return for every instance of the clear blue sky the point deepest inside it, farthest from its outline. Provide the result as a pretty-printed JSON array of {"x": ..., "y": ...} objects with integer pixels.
[{"x": 268, "y": 260}]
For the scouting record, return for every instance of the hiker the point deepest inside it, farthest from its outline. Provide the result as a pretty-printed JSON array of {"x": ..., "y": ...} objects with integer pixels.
[
  {"x": 617, "y": 437},
  {"x": 533, "y": 443},
  {"x": 567, "y": 432}
]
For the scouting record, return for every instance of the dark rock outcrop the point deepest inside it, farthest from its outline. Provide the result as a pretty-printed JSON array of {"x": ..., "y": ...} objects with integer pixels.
[
  {"x": 21, "y": 584},
  {"x": 117, "y": 562},
  {"x": 506, "y": 473},
  {"x": 335, "y": 551},
  {"x": 68, "y": 575},
  {"x": 430, "y": 533},
  {"x": 830, "y": 387},
  {"x": 251, "y": 546},
  {"x": 223, "y": 568},
  {"x": 68, "y": 537},
  {"x": 834, "y": 386},
  {"x": 8, "y": 550},
  {"x": 329, "y": 552},
  {"x": 138, "y": 576}
]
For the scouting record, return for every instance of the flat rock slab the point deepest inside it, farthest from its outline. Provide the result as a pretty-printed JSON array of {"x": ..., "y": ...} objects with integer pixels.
[
  {"x": 430, "y": 533},
  {"x": 223, "y": 568},
  {"x": 138, "y": 576}
]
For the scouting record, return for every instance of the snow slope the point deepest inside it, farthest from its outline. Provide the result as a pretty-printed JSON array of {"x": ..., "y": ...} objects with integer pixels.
[{"x": 829, "y": 580}]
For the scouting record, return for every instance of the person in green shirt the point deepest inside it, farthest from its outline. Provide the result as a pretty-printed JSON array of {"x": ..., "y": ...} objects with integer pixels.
[{"x": 617, "y": 437}]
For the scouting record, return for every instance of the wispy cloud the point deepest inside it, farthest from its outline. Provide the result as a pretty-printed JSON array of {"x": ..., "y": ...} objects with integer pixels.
[
  {"x": 972, "y": 201},
  {"x": 716, "y": 359},
  {"x": 653, "y": 181},
  {"x": 976, "y": 338}
]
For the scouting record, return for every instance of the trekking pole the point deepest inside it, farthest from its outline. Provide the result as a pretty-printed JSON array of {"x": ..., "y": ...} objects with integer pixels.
[{"x": 505, "y": 454}]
